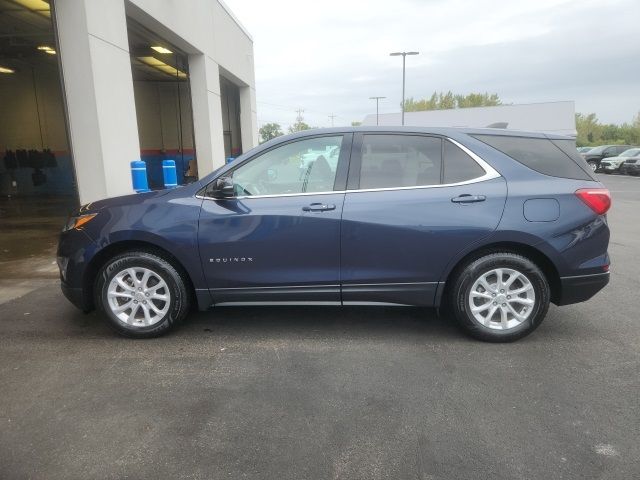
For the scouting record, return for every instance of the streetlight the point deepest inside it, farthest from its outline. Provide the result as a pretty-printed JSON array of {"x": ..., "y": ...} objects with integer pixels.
[
  {"x": 404, "y": 55},
  {"x": 376, "y": 99}
]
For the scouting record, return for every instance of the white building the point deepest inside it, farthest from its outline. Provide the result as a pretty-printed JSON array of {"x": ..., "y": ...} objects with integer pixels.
[
  {"x": 87, "y": 86},
  {"x": 550, "y": 117}
]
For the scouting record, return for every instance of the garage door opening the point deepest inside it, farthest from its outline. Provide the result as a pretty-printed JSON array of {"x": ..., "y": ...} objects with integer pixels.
[
  {"x": 163, "y": 105},
  {"x": 37, "y": 179},
  {"x": 230, "y": 99}
]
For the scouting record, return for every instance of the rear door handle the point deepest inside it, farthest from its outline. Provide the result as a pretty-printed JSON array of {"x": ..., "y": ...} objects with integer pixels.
[
  {"x": 466, "y": 198},
  {"x": 318, "y": 207}
]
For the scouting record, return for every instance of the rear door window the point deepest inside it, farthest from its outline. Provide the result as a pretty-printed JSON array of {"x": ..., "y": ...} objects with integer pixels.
[
  {"x": 392, "y": 161},
  {"x": 458, "y": 166},
  {"x": 539, "y": 154}
]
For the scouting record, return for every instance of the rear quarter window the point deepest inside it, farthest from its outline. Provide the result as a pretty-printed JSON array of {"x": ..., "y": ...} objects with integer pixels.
[{"x": 548, "y": 157}]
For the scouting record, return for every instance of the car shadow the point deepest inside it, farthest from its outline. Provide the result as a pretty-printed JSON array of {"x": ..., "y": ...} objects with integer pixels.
[{"x": 322, "y": 321}]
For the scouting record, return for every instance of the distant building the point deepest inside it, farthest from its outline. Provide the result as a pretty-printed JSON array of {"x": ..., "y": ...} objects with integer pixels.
[{"x": 549, "y": 117}]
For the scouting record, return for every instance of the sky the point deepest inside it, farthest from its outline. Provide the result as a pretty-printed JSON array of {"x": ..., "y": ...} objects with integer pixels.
[{"x": 328, "y": 57}]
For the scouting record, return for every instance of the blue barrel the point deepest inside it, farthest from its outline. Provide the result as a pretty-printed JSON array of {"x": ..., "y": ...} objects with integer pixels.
[
  {"x": 139, "y": 176},
  {"x": 169, "y": 173}
]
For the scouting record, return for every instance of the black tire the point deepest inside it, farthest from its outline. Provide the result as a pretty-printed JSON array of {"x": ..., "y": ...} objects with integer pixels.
[
  {"x": 464, "y": 279},
  {"x": 178, "y": 301}
]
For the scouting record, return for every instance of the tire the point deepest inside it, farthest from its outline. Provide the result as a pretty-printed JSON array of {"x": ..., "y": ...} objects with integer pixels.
[
  {"x": 534, "y": 301},
  {"x": 594, "y": 166},
  {"x": 158, "y": 295},
  {"x": 607, "y": 172}
]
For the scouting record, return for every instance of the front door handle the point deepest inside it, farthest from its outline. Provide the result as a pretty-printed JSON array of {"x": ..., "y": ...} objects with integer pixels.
[
  {"x": 466, "y": 198},
  {"x": 318, "y": 207}
]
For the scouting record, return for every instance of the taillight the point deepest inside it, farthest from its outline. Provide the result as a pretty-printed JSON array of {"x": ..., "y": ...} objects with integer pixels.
[{"x": 597, "y": 199}]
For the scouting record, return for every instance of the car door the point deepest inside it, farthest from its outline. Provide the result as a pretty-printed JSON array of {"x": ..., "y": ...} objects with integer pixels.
[
  {"x": 413, "y": 202},
  {"x": 278, "y": 238}
]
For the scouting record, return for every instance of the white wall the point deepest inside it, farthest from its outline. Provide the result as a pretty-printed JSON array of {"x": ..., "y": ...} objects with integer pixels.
[
  {"x": 550, "y": 117},
  {"x": 100, "y": 91}
]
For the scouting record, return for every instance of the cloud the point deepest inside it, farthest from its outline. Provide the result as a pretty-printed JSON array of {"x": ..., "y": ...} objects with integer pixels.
[{"x": 329, "y": 57}]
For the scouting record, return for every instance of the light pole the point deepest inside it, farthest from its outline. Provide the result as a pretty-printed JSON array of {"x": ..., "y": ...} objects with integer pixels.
[
  {"x": 404, "y": 56},
  {"x": 376, "y": 99}
]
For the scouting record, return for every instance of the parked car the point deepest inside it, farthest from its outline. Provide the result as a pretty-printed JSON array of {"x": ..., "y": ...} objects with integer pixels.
[
  {"x": 594, "y": 156},
  {"x": 492, "y": 225},
  {"x": 631, "y": 166},
  {"x": 613, "y": 164},
  {"x": 584, "y": 149}
]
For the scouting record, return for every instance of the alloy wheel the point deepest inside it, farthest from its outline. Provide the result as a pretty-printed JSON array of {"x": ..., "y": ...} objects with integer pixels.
[
  {"x": 502, "y": 299},
  {"x": 138, "y": 297}
]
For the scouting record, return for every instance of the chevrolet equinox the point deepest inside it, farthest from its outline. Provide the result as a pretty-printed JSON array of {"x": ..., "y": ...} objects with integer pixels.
[{"x": 493, "y": 224}]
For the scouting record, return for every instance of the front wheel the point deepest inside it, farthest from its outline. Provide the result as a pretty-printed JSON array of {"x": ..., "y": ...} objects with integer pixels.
[
  {"x": 594, "y": 166},
  {"x": 141, "y": 294},
  {"x": 500, "y": 297}
]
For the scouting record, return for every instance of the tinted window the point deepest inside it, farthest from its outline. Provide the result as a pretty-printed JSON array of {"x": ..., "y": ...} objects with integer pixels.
[
  {"x": 390, "y": 161},
  {"x": 304, "y": 166},
  {"x": 458, "y": 166},
  {"x": 568, "y": 147},
  {"x": 539, "y": 154}
]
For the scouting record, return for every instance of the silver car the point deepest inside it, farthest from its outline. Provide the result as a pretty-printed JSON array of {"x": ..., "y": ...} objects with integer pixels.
[{"x": 614, "y": 164}]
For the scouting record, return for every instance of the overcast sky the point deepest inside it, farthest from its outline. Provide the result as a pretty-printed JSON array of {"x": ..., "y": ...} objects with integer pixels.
[{"x": 328, "y": 57}]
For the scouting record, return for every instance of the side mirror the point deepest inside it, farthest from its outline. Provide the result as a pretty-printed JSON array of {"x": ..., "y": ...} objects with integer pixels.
[{"x": 223, "y": 188}]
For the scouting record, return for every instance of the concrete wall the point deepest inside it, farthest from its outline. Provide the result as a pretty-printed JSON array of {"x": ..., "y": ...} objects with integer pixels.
[{"x": 100, "y": 91}]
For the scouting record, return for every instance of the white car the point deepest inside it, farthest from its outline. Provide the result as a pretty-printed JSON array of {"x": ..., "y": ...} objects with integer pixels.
[{"x": 613, "y": 164}]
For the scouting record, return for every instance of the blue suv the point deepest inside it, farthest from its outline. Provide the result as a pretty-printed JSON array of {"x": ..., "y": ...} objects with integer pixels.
[{"x": 492, "y": 224}]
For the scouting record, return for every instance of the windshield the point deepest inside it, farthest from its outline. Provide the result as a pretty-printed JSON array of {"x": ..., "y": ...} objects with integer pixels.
[
  {"x": 598, "y": 150},
  {"x": 632, "y": 152}
]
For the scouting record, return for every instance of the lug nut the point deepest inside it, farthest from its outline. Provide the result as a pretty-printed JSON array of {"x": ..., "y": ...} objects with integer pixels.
[
  {"x": 147, "y": 294},
  {"x": 508, "y": 297},
  {"x": 504, "y": 304},
  {"x": 501, "y": 291},
  {"x": 135, "y": 301},
  {"x": 493, "y": 294},
  {"x": 144, "y": 301},
  {"x": 495, "y": 303},
  {"x": 140, "y": 288}
]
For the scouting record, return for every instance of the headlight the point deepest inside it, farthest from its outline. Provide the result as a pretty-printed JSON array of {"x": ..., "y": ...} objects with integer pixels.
[{"x": 77, "y": 221}]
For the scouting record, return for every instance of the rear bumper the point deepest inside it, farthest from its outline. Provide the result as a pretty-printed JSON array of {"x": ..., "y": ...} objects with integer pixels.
[{"x": 581, "y": 288}]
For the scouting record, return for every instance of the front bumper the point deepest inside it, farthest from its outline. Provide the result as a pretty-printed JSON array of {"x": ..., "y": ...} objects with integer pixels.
[
  {"x": 609, "y": 167},
  {"x": 76, "y": 295},
  {"x": 581, "y": 288}
]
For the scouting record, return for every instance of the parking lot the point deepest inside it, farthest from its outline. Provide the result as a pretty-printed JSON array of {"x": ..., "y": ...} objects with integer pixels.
[{"x": 324, "y": 392}]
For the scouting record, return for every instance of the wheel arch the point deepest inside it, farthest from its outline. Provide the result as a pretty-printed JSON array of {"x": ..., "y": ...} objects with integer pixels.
[
  {"x": 534, "y": 254},
  {"x": 119, "y": 247}
]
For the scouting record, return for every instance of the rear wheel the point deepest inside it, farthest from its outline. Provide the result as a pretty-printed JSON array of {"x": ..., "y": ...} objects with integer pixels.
[
  {"x": 593, "y": 165},
  {"x": 500, "y": 297},
  {"x": 141, "y": 294}
]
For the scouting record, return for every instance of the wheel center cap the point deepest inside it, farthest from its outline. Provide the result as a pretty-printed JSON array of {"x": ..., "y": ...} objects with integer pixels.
[
  {"x": 139, "y": 296},
  {"x": 501, "y": 298}
]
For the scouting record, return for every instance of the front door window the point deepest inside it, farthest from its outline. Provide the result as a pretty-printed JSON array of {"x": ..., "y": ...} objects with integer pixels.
[{"x": 305, "y": 166}]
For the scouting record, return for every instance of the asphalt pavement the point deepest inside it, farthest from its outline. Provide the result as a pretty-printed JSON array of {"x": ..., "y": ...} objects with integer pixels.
[{"x": 324, "y": 392}]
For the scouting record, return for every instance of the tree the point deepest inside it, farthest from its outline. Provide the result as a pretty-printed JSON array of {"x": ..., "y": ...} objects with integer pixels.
[
  {"x": 592, "y": 132},
  {"x": 441, "y": 101},
  {"x": 298, "y": 127},
  {"x": 356, "y": 124},
  {"x": 269, "y": 131}
]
